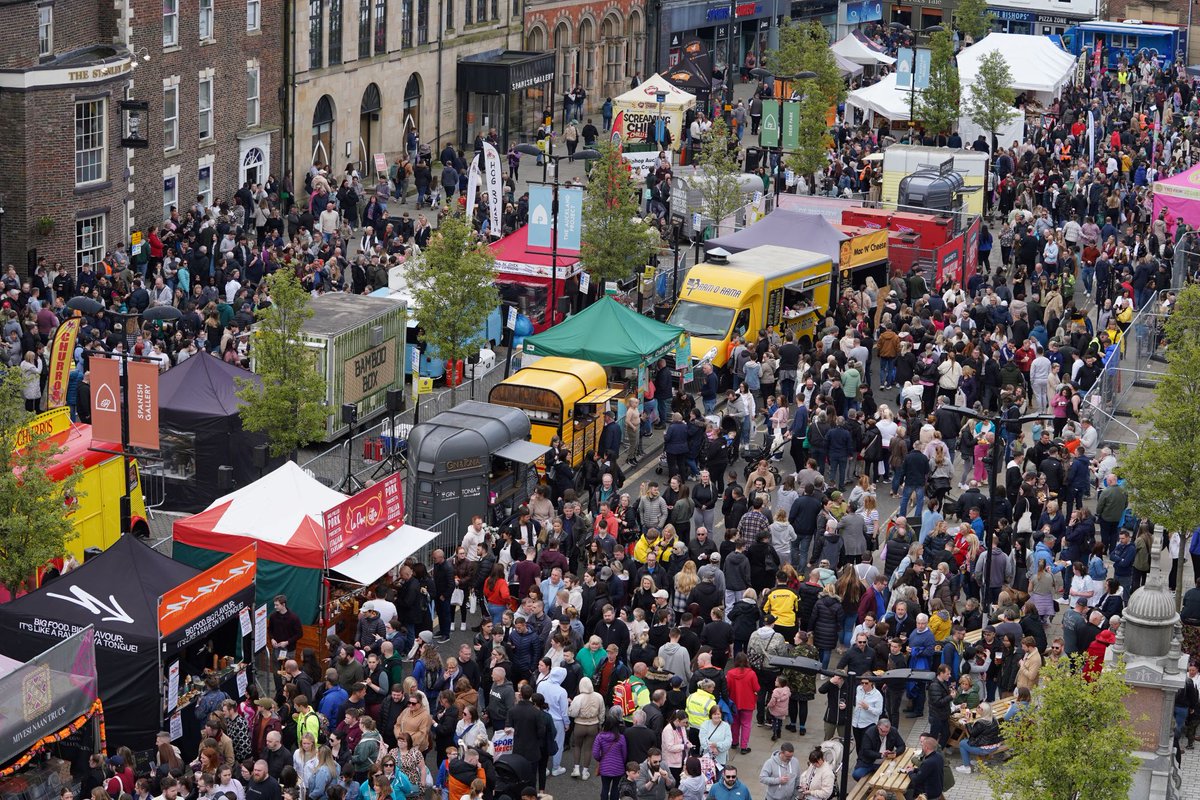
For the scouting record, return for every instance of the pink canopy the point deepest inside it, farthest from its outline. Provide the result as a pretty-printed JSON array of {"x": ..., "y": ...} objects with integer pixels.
[{"x": 1180, "y": 196}]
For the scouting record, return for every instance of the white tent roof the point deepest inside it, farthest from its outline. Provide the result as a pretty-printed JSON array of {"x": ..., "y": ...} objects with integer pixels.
[
  {"x": 274, "y": 507},
  {"x": 375, "y": 559},
  {"x": 647, "y": 90},
  {"x": 882, "y": 98},
  {"x": 855, "y": 49},
  {"x": 1036, "y": 63},
  {"x": 846, "y": 66}
]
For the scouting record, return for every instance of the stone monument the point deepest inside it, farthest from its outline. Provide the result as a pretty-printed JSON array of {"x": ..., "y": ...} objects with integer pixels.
[{"x": 1149, "y": 640}]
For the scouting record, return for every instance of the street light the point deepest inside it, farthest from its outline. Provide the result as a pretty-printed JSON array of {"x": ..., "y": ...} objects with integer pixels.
[
  {"x": 846, "y": 695},
  {"x": 89, "y": 307},
  {"x": 989, "y": 522},
  {"x": 586, "y": 154}
]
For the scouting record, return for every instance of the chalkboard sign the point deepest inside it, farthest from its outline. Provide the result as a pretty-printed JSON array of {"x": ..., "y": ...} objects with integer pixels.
[{"x": 775, "y": 307}]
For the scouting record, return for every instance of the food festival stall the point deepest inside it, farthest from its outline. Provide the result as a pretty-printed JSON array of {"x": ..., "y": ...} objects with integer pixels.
[
  {"x": 524, "y": 277},
  {"x": 50, "y": 709},
  {"x": 636, "y": 113},
  {"x": 151, "y": 624},
  {"x": 315, "y": 545}
]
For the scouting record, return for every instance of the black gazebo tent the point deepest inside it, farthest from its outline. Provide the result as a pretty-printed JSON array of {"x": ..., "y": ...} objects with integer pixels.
[
  {"x": 201, "y": 431},
  {"x": 117, "y": 592}
]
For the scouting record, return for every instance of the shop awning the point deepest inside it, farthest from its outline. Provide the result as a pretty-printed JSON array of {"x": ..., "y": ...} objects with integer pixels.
[
  {"x": 373, "y": 561},
  {"x": 522, "y": 452}
]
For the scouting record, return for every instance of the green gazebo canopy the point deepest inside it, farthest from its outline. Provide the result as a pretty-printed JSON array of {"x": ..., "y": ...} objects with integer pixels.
[{"x": 609, "y": 334}]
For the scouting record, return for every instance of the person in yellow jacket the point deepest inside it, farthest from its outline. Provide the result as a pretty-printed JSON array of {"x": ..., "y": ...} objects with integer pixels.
[
  {"x": 307, "y": 720},
  {"x": 781, "y": 603},
  {"x": 699, "y": 704},
  {"x": 660, "y": 544}
]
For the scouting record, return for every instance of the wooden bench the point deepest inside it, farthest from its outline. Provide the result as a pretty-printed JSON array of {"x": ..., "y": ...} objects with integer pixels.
[
  {"x": 891, "y": 775},
  {"x": 861, "y": 791}
]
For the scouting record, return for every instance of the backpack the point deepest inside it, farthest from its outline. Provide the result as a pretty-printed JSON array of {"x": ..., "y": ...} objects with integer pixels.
[
  {"x": 625, "y": 698},
  {"x": 1129, "y": 520},
  {"x": 322, "y": 726}
]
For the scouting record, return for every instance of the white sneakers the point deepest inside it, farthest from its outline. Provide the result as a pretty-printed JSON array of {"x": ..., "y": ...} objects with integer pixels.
[
  {"x": 963, "y": 768},
  {"x": 559, "y": 771},
  {"x": 586, "y": 774},
  {"x": 575, "y": 772},
  {"x": 462, "y": 626}
]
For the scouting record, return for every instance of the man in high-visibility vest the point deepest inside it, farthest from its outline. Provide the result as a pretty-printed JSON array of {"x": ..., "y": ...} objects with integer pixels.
[
  {"x": 699, "y": 705},
  {"x": 781, "y": 603}
]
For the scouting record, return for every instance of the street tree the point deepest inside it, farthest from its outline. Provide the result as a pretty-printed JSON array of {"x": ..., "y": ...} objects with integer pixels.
[
  {"x": 1163, "y": 484},
  {"x": 289, "y": 405},
  {"x": 453, "y": 287},
  {"x": 616, "y": 241},
  {"x": 937, "y": 106},
  {"x": 34, "y": 522},
  {"x": 989, "y": 104},
  {"x": 1069, "y": 715},
  {"x": 973, "y": 18},
  {"x": 718, "y": 175},
  {"x": 805, "y": 48}
]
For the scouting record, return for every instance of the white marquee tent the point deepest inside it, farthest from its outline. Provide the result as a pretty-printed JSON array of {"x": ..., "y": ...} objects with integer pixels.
[
  {"x": 854, "y": 47},
  {"x": 1039, "y": 68},
  {"x": 883, "y": 98}
]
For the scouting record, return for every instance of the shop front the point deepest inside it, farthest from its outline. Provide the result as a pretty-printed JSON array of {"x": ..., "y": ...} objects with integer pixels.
[
  {"x": 509, "y": 91},
  {"x": 1016, "y": 20},
  {"x": 750, "y": 24},
  {"x": 919, "y": 14}
]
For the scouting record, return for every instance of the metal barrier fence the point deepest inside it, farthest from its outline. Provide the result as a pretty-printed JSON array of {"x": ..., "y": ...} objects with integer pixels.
[
  {"x": 379, "y": 450},
  {"x": 449, "y": 534},
  {"x": 1126, "y": 371}
]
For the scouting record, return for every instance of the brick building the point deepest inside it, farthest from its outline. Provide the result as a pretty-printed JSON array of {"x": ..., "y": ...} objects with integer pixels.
[
  {"x": 207, "y": 72},
  {"x": 600, "y": 45}
]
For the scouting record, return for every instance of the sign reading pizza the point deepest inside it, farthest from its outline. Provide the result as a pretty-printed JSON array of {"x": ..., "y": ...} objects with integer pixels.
[{"x": 361, "y": 516}]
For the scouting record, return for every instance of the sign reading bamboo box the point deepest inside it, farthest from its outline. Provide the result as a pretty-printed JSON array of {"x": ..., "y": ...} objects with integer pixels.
[
  {"x": 365, "y": 514},
  {"x": 370, "y": 370}
]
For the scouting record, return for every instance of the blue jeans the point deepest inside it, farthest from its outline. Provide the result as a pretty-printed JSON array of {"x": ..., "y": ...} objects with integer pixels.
[
  {"x": 497, "y": 612},
  {"x": 896, "y": 477},
  {"x": 710, "y": 406},
  {"x": 861, "y": 772},
  {"x": 908, "y": 491},
  {"x": 1087, "y": 274},
  {"x": 848, "y": 623},
  {"x": 966, "y": 750},
  {"x": 837, "y": 472},
  {"x": 887, "y": 370},
  {"x": 825, "y": 654}
]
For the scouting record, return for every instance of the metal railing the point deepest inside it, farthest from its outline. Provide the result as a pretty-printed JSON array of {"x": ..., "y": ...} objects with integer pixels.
[
  {"x": 1128, "y": 368},
  {"x": 447, "y": 539},
  {"x": 372, "y": 453}
]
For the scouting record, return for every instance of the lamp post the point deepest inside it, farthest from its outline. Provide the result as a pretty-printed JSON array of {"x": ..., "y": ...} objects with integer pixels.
[
  {"x": 586, "y": 154},
  {"x": 912, "y": 83},
  {"x": 989, "y": 522},
  {"x": 89, "y": 307},
  {"x": 846, "y": 696}
]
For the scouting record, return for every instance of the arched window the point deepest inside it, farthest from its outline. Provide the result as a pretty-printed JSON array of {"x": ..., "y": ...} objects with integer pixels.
[
  {"x": 586, "y": 69},
  {"x": 369, "y": 125},
  {"x": 613, "y": 58},
  {"x": 412, "y": 105},
  {"x": 636, "y": 38},
  {"x": 562, "y": 44},
  {"x": 322, "y": 130},
  {"x": 536, "y": 41}
]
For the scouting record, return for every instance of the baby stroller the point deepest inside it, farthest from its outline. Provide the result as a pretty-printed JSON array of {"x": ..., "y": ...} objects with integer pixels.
[
  {"x": 771, "y": 451},
  {"x": 833, "y": 754},
  {"x": 513, "y": 773}
]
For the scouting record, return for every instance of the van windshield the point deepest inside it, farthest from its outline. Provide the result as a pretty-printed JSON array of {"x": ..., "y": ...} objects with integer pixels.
[{"x": 709, "y": 322}]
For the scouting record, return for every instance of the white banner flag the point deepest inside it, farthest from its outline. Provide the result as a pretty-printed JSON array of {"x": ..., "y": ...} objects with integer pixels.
[
  {"x": 494, "y": 185},
  {"x": 472, "y": 187},
  {"x": 1091, "y": 139}
]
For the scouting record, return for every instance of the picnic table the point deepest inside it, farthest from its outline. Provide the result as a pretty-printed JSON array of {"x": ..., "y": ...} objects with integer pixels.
[
  {"x": 891, "y": 774},
  {"x": 958, "y": 720}
]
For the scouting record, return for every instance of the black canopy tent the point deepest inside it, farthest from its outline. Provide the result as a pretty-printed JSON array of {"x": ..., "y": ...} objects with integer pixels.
[
  {"x": 116, "y": 592},
  {"x": 201, "y": 431}
]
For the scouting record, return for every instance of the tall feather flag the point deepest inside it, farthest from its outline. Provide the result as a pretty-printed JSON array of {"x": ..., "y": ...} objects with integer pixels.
[
  {"x": 494, "y": 186},
  {"x": 473, "y": 180}
]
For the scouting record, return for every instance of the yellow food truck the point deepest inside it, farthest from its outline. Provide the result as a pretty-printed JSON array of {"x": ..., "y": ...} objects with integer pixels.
[
  {"x": 96, "y": 502},
  {"x": 740, "y": 294},
  {"x": 563, "y": 397}
]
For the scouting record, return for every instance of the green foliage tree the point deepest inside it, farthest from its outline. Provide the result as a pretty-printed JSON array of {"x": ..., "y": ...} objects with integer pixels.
[
  {"x": 1162, "y": 485},
  {"x": 937, "y": 107},
  {"x": 34, "y": 522},
  {"x": 973, "y": 19},
  {"x": 453, "y": 286},
  {"x": 805, "y": 48},
  {"x": 289, "y": 406},
  {"x": 718, "y": 181},
  {"x": 1069, "y": 716},
  {"x": 989, "y": 104},
  {"x": 616, "y": 242}
]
